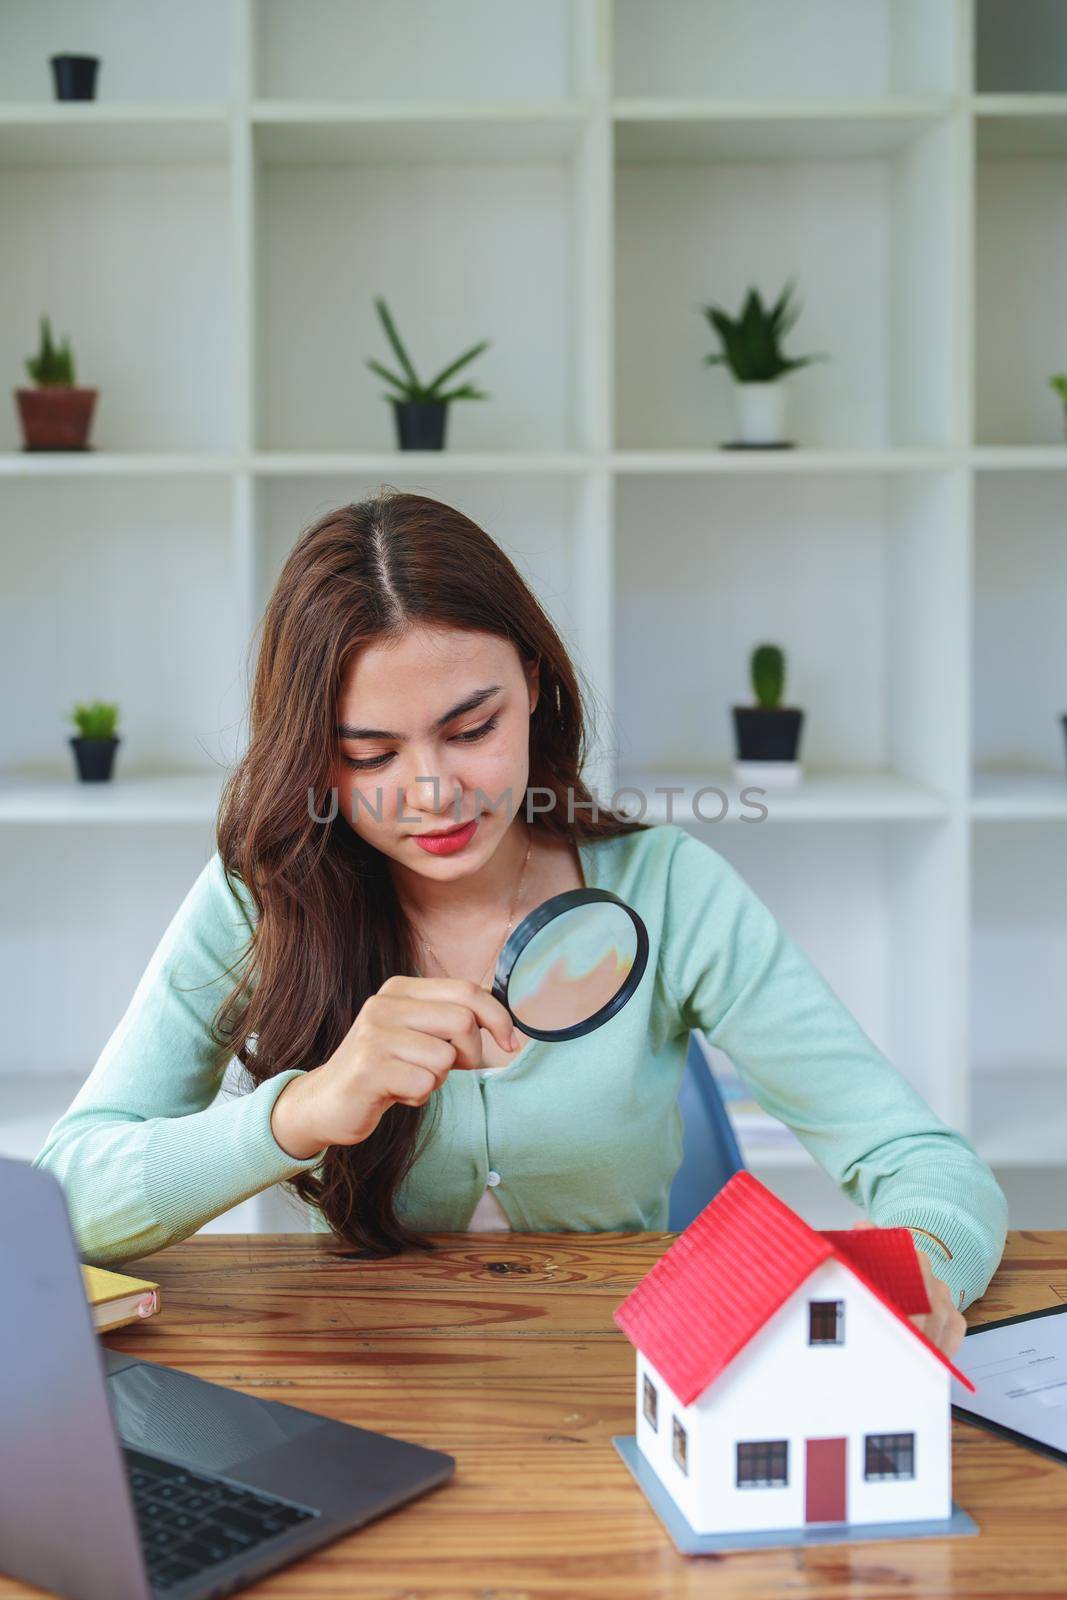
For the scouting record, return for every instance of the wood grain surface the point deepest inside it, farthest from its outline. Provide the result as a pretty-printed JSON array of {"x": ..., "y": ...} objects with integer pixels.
[{"x": 500, "y": 1349}]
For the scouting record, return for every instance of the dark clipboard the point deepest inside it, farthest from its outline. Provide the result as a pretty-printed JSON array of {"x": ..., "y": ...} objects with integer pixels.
[{"x": 1025, "y": 1439}]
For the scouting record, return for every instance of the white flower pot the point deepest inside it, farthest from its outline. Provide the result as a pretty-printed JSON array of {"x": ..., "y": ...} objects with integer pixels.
[
  {"x": 760, "y": 412},
  {"x": 768, "y": 774}
]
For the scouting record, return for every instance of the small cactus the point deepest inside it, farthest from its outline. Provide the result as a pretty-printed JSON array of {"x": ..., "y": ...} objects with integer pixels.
[
  {"x": 51, "y": 366},
  {"x": 1059, "y": 383},
  {"x": 768, "y": 675},
  {"x": 97, "y": 720}
]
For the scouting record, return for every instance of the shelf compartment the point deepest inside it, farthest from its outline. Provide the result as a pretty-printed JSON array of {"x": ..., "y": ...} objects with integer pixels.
[
  {"x": 83, "y": 912},
  {"x": 756, "y": 49},
  {"x": 103, "y": 595},
  {"x": 1018, "y": 998},
  {"x": 93, "y": 246},
  {"x": 860, "y": 579},
  {"x": 358, "y": 50},
  {"x": 873, "y": 249},
  {"x": 1020, "y": 297},
  {"x": 150, "y": 51},
  {"x": 1019, "y": 1117},
  {"x": 508, "y": 243},
  {"x": 1020, "y": 645},
  {"x": 872, "y": 908},
  {"x": 1020, "y": 46}
]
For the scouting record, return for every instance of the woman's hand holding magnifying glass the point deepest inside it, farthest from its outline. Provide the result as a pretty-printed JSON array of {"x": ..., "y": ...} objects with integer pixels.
[{"x": 401, "y": 1047}]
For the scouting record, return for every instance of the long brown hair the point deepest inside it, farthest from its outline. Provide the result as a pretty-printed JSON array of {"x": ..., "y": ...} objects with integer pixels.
[{"x": 329, "y": 929}]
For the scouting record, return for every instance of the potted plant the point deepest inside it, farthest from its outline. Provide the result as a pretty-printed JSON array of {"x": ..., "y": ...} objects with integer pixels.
[
  {"x": 751, "y": 348},
  {"x": 57, "y": 414},
  {"x": 74, "y": 77},
  {"x": 767, "y": 735},
  {"x": 421, "y": 410},
  {"x": 95, "y": 744},
  {"x": 1059, "y": 383}
]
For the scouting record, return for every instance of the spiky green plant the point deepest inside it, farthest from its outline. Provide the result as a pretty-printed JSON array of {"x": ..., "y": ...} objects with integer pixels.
[
  {"x": 97, "y": 720},
  {"x": 751, "y": 343},
  {"x": 1059, "y": 383},
  {"x": 767, "y": 669},
  {"x": 410, "y": 387},
  {"x": 51, "y": 365}
]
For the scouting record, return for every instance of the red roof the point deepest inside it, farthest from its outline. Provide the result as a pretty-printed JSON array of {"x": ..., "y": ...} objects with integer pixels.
[{"x": 736, "y": 1264}]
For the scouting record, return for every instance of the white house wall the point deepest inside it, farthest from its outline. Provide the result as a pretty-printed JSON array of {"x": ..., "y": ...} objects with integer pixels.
[{"x": 880, "y": 1380}]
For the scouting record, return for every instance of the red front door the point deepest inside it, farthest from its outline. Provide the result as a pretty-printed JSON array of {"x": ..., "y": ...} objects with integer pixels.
[{"x": 824, "y": 1481}]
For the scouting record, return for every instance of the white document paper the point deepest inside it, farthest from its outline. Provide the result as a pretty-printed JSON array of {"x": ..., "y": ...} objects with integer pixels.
[{"x": 1020, "y": 1373}]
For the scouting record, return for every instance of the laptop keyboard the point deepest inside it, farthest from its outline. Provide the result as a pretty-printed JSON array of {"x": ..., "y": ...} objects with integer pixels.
[{"x": 189, "y": 1521}]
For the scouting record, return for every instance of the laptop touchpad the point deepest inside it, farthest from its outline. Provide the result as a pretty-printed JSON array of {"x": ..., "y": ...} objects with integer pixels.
[{"x": 174, "y": 1414}]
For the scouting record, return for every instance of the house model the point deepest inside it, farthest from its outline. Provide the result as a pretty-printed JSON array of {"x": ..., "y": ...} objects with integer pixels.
[{"x": 780, "y": 1384}]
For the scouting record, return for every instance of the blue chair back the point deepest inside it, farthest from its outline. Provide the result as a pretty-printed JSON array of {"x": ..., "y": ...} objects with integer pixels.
[{"x": 711, "y": 1153}]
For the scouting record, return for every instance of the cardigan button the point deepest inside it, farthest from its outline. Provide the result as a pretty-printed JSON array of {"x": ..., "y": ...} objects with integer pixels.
[{"x": 492, "y": 1179}]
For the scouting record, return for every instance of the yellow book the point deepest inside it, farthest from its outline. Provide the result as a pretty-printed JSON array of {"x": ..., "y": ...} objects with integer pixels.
[{"x": 117, "y": 1299}]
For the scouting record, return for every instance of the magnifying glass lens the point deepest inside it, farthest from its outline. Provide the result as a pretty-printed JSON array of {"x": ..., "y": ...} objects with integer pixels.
[{"x": 573, "y": 967}]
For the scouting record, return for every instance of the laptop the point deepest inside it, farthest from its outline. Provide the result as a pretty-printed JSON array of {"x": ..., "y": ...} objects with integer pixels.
[{"x": 122, "y": 1479}]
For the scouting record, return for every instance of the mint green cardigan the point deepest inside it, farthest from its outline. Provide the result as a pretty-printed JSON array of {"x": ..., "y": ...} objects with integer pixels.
[{"x": 585, "y": 1134}]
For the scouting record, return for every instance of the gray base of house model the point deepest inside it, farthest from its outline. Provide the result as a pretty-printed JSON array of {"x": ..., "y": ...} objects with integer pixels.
[{"x": 691, "y": 1543}]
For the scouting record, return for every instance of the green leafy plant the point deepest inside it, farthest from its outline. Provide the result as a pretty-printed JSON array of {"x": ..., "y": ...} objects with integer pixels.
[
  {"x": 410, "y": 387},
  {"x": 97, "y": 720},
  {"x": 767, "y": 669},
  {"x": 51, "y": 365},
  {"x": 751, "y": 343},
  {"x": 1059, "y": 383}
]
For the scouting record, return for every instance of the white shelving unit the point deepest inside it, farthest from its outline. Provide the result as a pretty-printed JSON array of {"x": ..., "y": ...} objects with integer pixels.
[{"x": 574, "y": 180}]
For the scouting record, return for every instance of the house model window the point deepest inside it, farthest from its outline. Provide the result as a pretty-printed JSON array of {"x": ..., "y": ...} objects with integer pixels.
[
  {"x": 679, "y": 1446},
  {"x": 651, "y": 1412},
  {"x": 763, "y": 1464},
  {"x": 888, "y": 1455},
  {"x": 826, "y": 1322}
]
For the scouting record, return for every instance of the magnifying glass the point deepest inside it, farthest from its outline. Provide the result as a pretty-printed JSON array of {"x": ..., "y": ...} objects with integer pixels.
[{"x": 571, "y": 964}]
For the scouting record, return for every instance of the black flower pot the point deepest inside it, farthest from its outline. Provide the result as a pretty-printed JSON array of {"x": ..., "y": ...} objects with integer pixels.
[
  {"x": 420, "y": 424},
  {"x": 95, "y": 758},
  {"x": 75, "y": 76},
  {"x": 767, "y": 735}
]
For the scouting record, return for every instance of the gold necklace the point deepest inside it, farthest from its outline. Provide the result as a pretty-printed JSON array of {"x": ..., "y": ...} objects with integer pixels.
[{"x": 514, "y": 904}]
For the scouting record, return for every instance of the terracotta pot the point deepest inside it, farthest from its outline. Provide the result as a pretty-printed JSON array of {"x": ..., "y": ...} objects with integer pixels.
[{"x": 56, "y": 416}]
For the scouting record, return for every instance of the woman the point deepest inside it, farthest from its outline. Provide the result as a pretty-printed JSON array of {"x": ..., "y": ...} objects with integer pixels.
[{"x": 408, "y": 682}]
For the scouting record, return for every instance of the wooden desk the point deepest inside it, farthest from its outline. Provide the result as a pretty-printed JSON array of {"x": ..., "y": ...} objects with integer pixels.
[{"x": 501, "y": 1350}]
